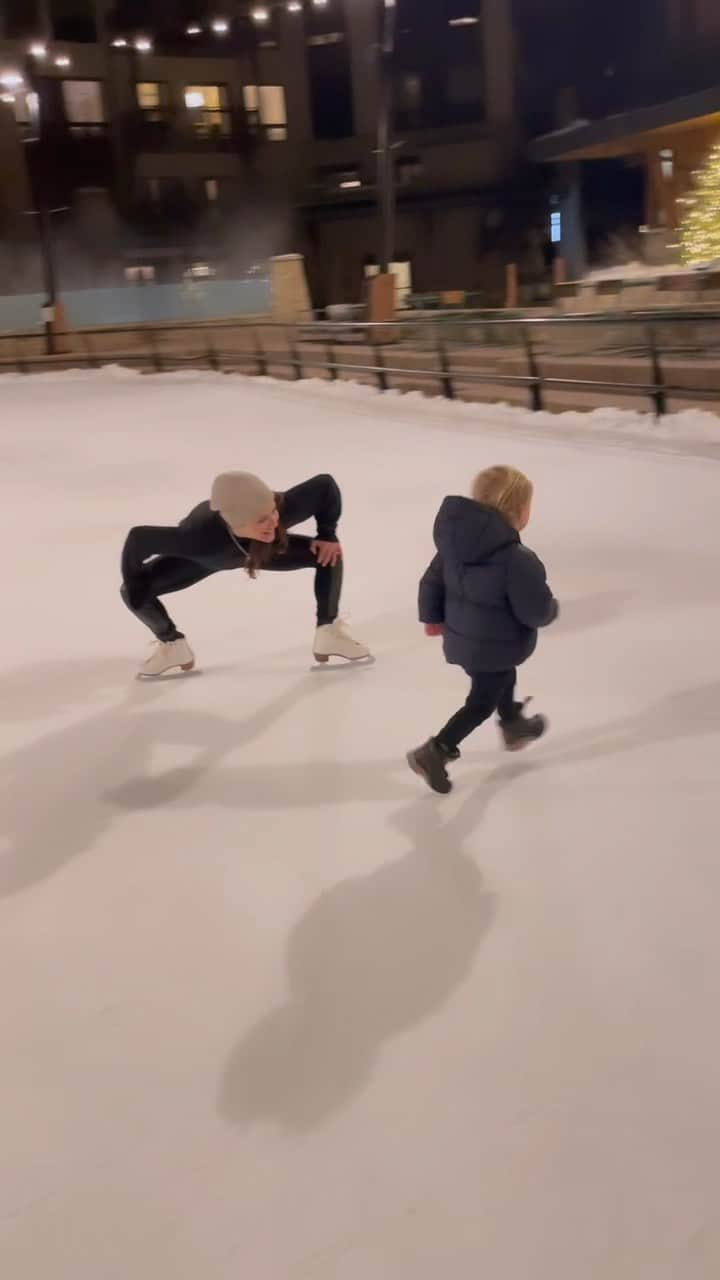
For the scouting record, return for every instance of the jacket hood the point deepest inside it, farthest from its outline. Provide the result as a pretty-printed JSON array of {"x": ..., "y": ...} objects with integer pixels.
[{"x": 467, "y": 532}]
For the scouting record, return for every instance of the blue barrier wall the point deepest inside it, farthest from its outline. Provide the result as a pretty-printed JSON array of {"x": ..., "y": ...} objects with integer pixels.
[{"x": 138, "y": 304}]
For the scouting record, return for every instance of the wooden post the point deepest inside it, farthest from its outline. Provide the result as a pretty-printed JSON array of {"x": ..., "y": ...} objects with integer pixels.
[
  {"x": 512, "y": 288},
  {"x": 381, "y": 299}
]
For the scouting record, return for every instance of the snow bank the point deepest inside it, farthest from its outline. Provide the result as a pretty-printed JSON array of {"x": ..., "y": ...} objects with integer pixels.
[{"x": 674, "y": 431}]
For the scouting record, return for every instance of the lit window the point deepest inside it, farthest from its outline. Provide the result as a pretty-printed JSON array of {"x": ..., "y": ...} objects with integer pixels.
[
  {"x": 556, "y": 227},
  {"x": 340, "y": 179},
  {"x": 272, "y": 104},
  {"x": 83, "y": 100},
  {"x": 265, "y": 104},
  {"x": 149, "y": 95},
  {"x": 328, "y": 37},
  {"x": 251, "y": 98},
  {"x": 667, "y": 163},
  {"x": 139, "y": 275},
  {"x": 211, "y": 97}
]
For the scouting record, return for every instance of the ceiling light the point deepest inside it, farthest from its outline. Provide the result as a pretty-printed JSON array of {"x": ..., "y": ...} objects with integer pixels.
[
  {"x": 38, "y": 50},
  {"x": 62, "y": 61},
  {"x": 260, "y": 15},
  {"x": 469, "y": 21},
  {"x": 11, "y": 80},
  {"x": 119, "y": 43},
  {"x": 221, "y": 26},
  {"x": 143, "y": 45},
  {"x": 294, "y": 6},
  {"x": 350, "y": 184},
  {"x": 193, "y": 30},
  {"x": 193, "y": 99}
]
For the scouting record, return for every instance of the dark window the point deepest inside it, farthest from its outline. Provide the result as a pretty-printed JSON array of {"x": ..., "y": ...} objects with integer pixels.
[
  {"x": 439, "y": 78},
  {"x": 329, "y": 71},
  {"x": 22, "y": 18},
  {"x": 73, "y": 20}
]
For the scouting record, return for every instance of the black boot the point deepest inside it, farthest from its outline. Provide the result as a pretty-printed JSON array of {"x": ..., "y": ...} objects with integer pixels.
[
  {"x": 521, "y": 730},
  {"x": 430, "y": 761}
]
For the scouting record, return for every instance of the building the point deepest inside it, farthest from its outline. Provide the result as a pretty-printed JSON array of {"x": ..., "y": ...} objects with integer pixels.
[
  {"x": 636, "y": 123},
  {"x": 242, "y": 131}
]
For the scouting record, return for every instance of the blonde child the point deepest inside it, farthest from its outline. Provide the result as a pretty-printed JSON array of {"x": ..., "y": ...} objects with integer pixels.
[{"x": 486, "y": 594}]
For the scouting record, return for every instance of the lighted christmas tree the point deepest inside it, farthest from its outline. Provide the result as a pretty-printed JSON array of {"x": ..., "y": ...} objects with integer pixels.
[{"x": 700, "y": 228}]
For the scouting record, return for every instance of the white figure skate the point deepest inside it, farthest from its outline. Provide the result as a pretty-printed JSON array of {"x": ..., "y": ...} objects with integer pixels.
[
  {"x": 168, "y": 655},
  {"x": 333, "y": 641}
]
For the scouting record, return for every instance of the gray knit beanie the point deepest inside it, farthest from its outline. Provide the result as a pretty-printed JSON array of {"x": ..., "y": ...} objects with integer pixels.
[{"x": 241, "y": 498}]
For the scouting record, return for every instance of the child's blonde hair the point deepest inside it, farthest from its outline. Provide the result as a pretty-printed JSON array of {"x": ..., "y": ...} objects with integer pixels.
[{"x": 505, "y": 489}]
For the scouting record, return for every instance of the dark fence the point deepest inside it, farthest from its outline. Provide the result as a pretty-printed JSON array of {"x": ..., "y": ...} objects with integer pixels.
[{"x": 644, "y": 357}]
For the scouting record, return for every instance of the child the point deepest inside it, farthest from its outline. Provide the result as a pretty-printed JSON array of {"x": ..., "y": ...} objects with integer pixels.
[{"x": 486, "y": 594}]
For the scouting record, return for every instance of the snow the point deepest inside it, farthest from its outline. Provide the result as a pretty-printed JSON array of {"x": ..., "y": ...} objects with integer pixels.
[
  {"x": 269, "y": 1008},
  {"x": 640, "y": 271}
]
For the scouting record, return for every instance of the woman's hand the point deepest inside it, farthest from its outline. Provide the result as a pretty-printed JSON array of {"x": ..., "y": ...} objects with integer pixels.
[
  {"x": 327, "y": 554},
  {"x": 434, "y": 629}
]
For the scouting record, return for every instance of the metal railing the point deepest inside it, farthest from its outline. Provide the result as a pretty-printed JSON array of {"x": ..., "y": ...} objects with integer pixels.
[{"x": 645, "y": 356}]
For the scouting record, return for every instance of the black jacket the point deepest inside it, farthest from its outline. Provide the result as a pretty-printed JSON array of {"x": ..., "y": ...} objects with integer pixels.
[
  {"x": 487, "y": 589},
  {"x": 204, "y": 538}
]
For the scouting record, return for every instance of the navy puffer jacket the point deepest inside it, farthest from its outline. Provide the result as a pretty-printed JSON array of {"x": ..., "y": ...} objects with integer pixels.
[{"x": 487, "y": 589}]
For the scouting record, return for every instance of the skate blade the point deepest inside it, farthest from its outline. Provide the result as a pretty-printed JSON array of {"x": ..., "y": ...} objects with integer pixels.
[
  {"x": 172, "y": 673},
  {"x": 341, "y": 662}
]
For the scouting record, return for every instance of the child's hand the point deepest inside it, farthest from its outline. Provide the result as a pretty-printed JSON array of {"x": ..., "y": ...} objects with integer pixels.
[{"x": 434, "y": 629}]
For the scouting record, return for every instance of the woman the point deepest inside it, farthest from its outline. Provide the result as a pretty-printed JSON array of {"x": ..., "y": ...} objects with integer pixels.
[{"x": 243, "y": 526}]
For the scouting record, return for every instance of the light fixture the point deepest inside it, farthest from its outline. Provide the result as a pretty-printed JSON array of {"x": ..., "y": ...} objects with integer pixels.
[
  {"x": 221, "y": 26},
  {"x": 143, "y": 44},
  {"x": 469, "y": 21},
  {"x": 194, "y": 99},
  {"x": 38, "y": 50},
  {"x": 62, "y": 60},
  {"x": 119, "y": 43},
  {"x": 260, "y": 16},
  {"x": 350, "y": 184},
  {"x": 294, "y": 6},
  {"x": 193, "y": 30},
  {"x": 9, "y": 98},
  {"x": 320, "y": 4},
  {"x": 11, "y": 80}
]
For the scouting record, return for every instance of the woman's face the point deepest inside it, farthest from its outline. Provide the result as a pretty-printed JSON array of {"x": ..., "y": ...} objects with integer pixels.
[{"x": 261, "y": 530}]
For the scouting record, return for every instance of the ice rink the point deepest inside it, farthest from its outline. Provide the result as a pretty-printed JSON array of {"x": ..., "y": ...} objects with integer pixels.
[{"x": 269, "y": 1009}]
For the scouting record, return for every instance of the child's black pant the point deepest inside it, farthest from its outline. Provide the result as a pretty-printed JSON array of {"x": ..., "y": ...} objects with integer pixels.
[{"x": 490, "y": 691}]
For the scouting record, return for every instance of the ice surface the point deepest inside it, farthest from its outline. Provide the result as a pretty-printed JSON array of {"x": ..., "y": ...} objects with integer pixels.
[{"x": 269, "y": 1010}]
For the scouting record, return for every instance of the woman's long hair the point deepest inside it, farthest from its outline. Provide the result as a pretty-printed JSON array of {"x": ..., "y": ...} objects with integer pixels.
[{"x": 259, "y": 553}]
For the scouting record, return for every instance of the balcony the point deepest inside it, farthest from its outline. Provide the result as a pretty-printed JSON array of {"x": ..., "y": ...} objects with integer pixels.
[{"x": 160, "y": 129}]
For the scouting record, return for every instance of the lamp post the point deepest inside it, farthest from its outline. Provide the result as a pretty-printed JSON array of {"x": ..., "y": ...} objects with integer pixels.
[
  {"x": 41, "y": 211},
  {"x": 385, "y": 140}
]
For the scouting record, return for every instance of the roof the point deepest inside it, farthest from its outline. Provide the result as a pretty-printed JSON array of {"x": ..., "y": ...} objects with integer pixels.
[{"x": 630, "y": 131}]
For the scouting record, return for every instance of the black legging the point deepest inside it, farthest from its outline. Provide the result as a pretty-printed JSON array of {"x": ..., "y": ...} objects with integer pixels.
[
  {"x": 167, "y": 574},
  {"x": 489, "y": 691}
]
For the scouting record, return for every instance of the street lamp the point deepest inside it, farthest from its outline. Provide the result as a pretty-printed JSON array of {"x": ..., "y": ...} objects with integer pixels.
[{"x": 385, "y": 145}]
